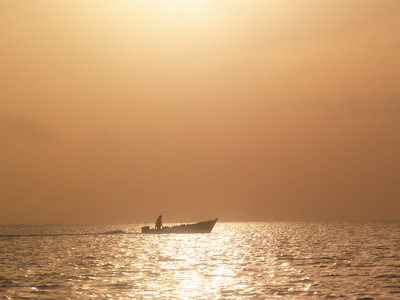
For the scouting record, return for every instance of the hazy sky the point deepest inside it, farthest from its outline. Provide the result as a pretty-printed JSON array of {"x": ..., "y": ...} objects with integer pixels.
[{"x": 256, "y": 110}]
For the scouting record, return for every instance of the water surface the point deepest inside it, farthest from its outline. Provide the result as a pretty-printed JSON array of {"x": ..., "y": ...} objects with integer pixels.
[{"x": 355, "y": 260}]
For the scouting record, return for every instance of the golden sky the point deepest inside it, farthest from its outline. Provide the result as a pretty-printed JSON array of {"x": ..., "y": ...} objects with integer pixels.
[{"x": 256, "y": 110}]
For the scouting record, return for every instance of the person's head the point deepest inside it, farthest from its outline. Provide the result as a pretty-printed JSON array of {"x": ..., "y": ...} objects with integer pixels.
[{"x": 160, "y": 216}]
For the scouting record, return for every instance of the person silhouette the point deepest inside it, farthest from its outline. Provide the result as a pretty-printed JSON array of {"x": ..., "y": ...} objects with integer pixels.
[{"x": 159, "y": 224}]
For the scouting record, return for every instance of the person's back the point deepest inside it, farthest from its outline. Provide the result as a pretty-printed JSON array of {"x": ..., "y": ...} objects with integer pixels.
[{"x": 159, "y": 224}]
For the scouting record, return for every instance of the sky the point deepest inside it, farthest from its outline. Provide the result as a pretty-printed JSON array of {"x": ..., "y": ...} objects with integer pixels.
[{"x": 257, "y": 110}]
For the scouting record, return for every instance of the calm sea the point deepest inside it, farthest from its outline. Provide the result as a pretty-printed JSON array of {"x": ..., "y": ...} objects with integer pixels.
[{"x": 353, "y": 260}]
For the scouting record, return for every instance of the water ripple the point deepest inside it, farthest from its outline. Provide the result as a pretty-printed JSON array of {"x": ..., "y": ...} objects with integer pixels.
[{"x": 237, "y": 261}]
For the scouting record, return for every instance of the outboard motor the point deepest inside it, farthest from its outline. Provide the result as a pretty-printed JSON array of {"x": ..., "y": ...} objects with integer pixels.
[{"x": 145, "y": 229}]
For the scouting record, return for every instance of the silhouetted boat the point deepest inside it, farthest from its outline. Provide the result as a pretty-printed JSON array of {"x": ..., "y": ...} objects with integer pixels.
[{"x": 201, "y": 227}]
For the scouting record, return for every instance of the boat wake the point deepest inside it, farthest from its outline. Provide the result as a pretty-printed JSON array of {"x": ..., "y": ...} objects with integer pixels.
[
  {"x": 116, "y": 232},
  {"x": 65, "y": 234}
]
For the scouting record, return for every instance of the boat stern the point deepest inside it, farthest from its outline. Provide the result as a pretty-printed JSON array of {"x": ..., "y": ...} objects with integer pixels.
[{"x": 145, "y": 229}]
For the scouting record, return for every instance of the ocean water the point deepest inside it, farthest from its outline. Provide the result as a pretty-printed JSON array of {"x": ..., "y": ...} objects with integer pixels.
[{"x": 349, "y": 260}]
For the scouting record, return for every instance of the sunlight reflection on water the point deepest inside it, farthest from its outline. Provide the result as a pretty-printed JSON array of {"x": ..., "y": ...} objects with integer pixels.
[{"x": 237, "y": 260}]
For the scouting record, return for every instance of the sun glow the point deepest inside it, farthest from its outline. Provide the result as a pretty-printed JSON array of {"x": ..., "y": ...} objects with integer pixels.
[
  {"x": 174, "y": 9},
  {"x": 180, "y": 5}
]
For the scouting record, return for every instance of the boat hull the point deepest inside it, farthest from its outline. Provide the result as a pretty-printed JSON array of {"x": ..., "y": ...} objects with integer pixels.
[{"x": 201, "y": 227}]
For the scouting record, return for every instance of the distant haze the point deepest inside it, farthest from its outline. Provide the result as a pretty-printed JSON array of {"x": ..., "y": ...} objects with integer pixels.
[{"x": 118, "y": 111}]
